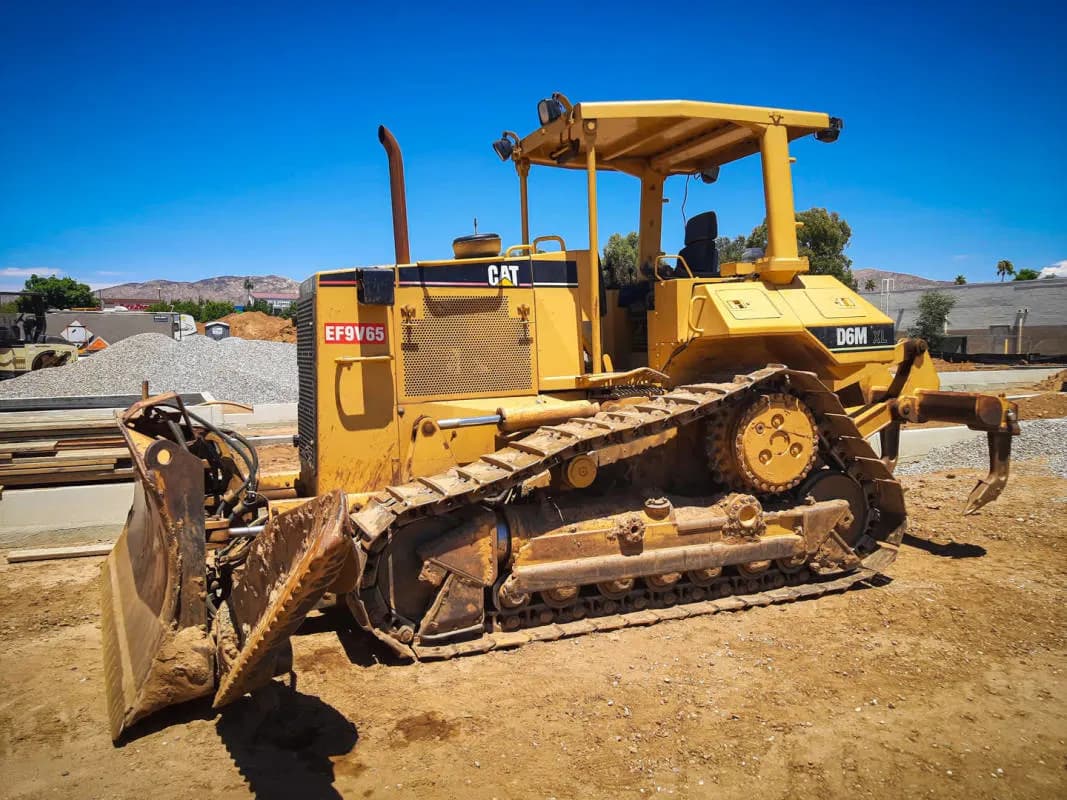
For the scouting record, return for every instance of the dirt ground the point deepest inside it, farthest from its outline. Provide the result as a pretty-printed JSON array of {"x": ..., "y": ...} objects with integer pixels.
[
  {"x": 1042, "y": 406},
  {"x": 946, "y": 682},
  {"x": 970, "y": 366},
  {"x": 257, "y": 325}
]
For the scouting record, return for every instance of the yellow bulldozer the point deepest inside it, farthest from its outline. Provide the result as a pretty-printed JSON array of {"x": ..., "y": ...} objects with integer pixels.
[{"x": 496, "y": 449}]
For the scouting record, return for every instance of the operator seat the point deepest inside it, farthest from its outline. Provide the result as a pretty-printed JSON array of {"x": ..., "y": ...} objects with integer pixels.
[{"x": 699, "y": 251}]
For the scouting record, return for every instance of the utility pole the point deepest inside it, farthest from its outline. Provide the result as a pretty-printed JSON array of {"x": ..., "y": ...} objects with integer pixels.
[{"x": 1020, "y": 318}]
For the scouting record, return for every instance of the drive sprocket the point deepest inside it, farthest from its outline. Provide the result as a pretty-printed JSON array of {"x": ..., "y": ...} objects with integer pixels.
[{"x": 766, "y": 445}]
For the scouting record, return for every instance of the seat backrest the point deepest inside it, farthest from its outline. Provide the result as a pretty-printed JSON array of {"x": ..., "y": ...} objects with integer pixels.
[
  {"x": 699, "y": 251},
  {"x": 701, "y": 228}
]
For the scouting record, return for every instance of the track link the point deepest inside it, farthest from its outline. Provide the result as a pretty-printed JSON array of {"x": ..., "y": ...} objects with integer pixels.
[{"x": 389, "y": 511}]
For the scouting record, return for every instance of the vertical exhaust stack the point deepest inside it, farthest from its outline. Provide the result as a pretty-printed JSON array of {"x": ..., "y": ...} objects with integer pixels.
[{"x": 398, "y": 195}]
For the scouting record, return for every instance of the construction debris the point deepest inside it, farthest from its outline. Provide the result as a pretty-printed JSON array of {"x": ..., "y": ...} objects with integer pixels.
[
  {"x": 48, "y": 448},
  {"x": 243, "y": 370}
]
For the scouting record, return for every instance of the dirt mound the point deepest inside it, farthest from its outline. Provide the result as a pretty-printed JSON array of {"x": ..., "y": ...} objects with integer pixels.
[
  {"x": 1043, "y": 406},
  {"x": 257, "y": 325},
  {"x": 1053, "y": 383}
]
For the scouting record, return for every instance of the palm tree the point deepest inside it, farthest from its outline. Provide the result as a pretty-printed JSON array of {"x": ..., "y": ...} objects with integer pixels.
[
  {"x": 1004, "y": 269},
  {"x": 870, "y": 285},
  {"x": 249, "y": 286},
  {"x": 960, "y": 280}
]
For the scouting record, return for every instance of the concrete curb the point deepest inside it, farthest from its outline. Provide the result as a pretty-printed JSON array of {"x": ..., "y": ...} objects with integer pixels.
[{"x": 985, "y": 380}]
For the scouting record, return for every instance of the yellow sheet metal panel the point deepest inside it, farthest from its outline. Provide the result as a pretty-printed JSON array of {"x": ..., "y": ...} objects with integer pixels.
[
  {"x": 837, "y": 303},
  {"x": 559, "y": 316},
  {"x": 355, "y": 400},
  {"x": 747, "y": 304}
]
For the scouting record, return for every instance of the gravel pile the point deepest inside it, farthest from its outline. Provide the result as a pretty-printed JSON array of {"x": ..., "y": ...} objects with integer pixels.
[
  {"x": 1040, "y": 438},
  {"x": 242, "y": 370}
]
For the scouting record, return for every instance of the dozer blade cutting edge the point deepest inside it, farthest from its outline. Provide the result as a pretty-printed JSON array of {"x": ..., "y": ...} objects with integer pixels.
[
  {"x": 290, "y": 566},
  {"x": 163, "y": 642}
]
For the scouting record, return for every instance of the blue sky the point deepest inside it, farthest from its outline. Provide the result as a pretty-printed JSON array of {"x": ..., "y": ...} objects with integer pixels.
[{"x": 165, "y": 140}]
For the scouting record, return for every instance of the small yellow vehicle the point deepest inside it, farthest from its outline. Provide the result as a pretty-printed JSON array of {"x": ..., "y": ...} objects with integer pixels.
[
  {"x": 25, "y": 345},
  {"x": 496, "y": 450}
]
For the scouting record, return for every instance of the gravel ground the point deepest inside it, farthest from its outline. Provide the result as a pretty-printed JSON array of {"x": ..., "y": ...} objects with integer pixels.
[
  {"x": 242, "y": 370},
  {"x": 1040, "y": 438}
]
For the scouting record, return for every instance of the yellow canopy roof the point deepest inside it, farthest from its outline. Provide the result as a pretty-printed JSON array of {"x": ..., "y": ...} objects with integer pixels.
[{"x": 672, "y": 137}]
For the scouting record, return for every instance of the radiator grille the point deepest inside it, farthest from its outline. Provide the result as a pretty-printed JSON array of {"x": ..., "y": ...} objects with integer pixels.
[
  {"x": 306, "y": 411},
  {"x": 466, "y": 346}
]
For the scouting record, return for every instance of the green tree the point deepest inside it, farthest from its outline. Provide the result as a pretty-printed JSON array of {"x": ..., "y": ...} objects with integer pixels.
[
  {"x": 960, "y": 280},
  {"x": 58, "y": 293},
  {"x": 934, "y": 308},
  {"x": 619, "y": 263},
  {"x": 1004, "y": 269},
  {"x": 730, "y": 250},
  {"x": 214, "y": 309},
  {"x": 1027, "y": 274},
  {"x": 200, "y": 310},
  {"x": 869, "y": 285},
  {"x": 822, "y": 239}
]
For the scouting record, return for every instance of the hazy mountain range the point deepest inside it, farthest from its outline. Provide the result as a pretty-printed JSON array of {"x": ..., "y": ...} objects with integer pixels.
[
  {"x": 224, "y": 287},
  {"x": 901, "y": 280},
  {"x": 231, "y": 287}
]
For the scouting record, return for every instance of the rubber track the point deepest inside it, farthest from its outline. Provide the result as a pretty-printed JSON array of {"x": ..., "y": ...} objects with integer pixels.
[{"x": 548, "y": 446}]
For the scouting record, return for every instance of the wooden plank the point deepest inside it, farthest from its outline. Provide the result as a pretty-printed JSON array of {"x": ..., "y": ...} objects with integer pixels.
[
  {"x": 85, "y": 465},
  {"x": 90, "y": 441},
  {"x": 52, "y": 553},
  {"x": 53, "y": 477},
  {"x": 70, "y": 457},
  {"x": 21, "y": 432},
  {"x": 31, "y": 446}
]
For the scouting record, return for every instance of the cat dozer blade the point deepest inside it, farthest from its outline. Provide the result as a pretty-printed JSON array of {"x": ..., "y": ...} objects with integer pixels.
[
  {"x": 163, "y": 640},
  {"x": 157, "y": 650},
  {"x": 290, "y": 566}
]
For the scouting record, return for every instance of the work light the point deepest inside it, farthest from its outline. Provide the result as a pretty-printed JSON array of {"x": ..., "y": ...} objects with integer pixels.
[
  {"x": 549, "y": 110},
  {"x": 503, "y": 148},
  {"x": 830, "y": 134}
]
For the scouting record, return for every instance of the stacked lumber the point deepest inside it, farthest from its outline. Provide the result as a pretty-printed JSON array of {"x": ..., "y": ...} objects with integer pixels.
[{"x": 52, "y": 448}]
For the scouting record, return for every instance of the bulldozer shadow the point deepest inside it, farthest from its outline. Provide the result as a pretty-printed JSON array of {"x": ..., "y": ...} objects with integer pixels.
[
  {"x": 362, "y": 648},
  {"x": 282, "y": 742},
  {"x": 946, "y": 549}
]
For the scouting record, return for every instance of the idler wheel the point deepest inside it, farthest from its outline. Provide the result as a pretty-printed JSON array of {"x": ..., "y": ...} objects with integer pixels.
[{"x": 829, "y": 484}]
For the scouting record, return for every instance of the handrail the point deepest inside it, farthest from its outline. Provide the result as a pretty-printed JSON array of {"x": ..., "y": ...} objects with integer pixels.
[
  {"x": 693, "y": 329},
  {"x": 519, "y": 248},
  {"x": 663, "y": 257},
  {"x": 549, "y": 238},
  {"x": 532, "y": 248}
]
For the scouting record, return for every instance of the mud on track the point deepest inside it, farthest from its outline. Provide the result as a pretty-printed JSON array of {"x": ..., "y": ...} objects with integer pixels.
[{"x": 947, "y": 682}]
